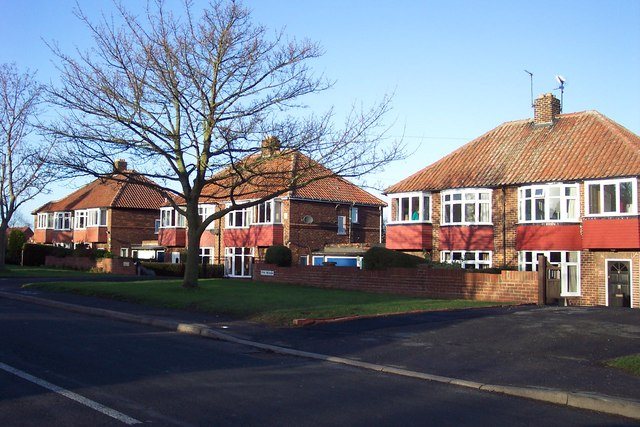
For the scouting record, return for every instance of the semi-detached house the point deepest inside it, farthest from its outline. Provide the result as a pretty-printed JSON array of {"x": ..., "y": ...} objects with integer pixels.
[
  {"x": 117, "y": 214},
  {"x": 328, "y": 220},
  {"x": 561, "y": 185}
]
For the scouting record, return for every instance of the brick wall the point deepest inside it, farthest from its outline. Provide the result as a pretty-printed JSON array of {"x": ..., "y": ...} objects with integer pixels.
[
  {"x": 108, "y": 265},
  {"x": 130, "y": 226},
  {"x": 508, "y": 286},
  {"x": 306, "y": 238}
]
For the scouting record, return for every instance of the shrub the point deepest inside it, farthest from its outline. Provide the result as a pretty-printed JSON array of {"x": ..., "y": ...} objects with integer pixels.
[
  {"x": 279, "y": 255},
  {"x": 177, "y": 270},
  {"x": 14, "y": 246},
  {"x": 381, "y": 258},
  {"x": 34, "y": 254}
]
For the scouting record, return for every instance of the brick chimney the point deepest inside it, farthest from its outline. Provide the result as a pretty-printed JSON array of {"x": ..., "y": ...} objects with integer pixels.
[
  {"x": 121, "y": 165},
  {"x": 545, "y": 109},
  {"x": 270, "y": 146}
]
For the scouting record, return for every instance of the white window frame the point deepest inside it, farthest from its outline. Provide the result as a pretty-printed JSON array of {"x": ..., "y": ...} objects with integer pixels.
[
  {"x": 274, "y": 207},
  {"x": 424, "y": 215},
  {"x": 62, "y": 221},
  {"x": 342, "y": 225},
  {"x": 80, "y": 220},
  {"x": 601, "y": 183},
  {"x": 563, "y": 264},
  {"x": 354, "y": 215},
  {"x": 205, "y": 211},
  {"x": 463, "y": 201},
  {"x": 171, "y": 218},
  {"x": 206, "y": 252},
  {"x": 156, "y": 226},
  {"x": 45, "y": 220},
  {"x": 97, "y": 217},
  {"x": 245, "y": 214},
  {"x": 476, "y": 262},
  {"x": 230, "y": 258},
  {"x": 544, "y": 193}
]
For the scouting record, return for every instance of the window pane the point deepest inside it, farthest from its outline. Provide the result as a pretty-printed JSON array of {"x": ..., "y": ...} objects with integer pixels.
[
  {"x": 572, "y": 278},
  {"x": 571, "y": 209},
  {"x": 594, "y": 198},
  {"x": 405, "y": 208},
  {"x": 484, "y": 196},
  {"x": 456, "y": 256},
  {"x": 457, "y": 212},
  {"x": 395, "y": 212},
  {"x": 555, "y": 257},
  {"x": 539, "y": 209},
  {"x": 483, "y": 256},
  {"x": 469, "y": 196},
  {"x": 457, "y": 196},
  {"x": 470, "y": 212},
  {"x": 554, "y": 191},
  {"x": 572, "y": 256},
  {"x": 554, "y": 208},
  {"x": 447, "y": 214},
  {"x": 277, "y": 212},
  {"x": 527, "y": 210},
  {"x": 626, "y": 197},
  {"x": 426, "y": 208},
  {"x": 470, "y": 256},
  {"x": 415, "y": 208},
  {"x": 485, "y": 213},
  {"x": 609, "y": 192}
]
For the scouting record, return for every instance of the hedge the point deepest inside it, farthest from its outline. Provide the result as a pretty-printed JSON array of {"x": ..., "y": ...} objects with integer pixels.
[
  {"x": 14, "y": 246},
  {"x": 177, "y": 270},
  {"x": 378, "y": 258},
  {"x": 34, "y": 254},
  {"x": 279, "y": 255}
]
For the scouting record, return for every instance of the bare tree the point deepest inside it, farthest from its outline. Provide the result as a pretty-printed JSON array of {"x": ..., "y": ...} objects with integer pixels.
[
  {"x": 189, "y": 99},
  {"x": 23, "y": 173}
]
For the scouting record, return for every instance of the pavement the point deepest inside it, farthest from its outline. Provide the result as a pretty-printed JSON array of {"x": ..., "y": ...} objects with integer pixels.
[{"x": 552, "y": 354}]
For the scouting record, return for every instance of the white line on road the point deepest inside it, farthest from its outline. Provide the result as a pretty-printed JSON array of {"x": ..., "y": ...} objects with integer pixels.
[{"x": 71, "y": 395}]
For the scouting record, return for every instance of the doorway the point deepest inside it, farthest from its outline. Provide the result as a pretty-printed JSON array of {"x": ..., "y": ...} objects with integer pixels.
[{"x": 619, "y": 283}]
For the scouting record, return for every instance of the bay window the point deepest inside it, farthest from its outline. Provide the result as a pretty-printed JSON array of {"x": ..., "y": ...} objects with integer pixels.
[
  {"x": 548, "y": 203},
  {"x": 45, "y": 220},
  {"x": 205, "y": 211},
  {"x": 80, "y": 220},
  {"x": 568, "y": 261},
  {"x": 269, "y": 212},
  {"x": 410, "y": 207},
  {"x": 240, "y": 218},
  {"x": 171, "y": 218},
  {"x": 611, "y": 197},
  {"x": 466, "y": 207},
  {"x": 62, "y": 221},
  {"x": 97, "y": 217},
  {"x": 468, "y": 259}
]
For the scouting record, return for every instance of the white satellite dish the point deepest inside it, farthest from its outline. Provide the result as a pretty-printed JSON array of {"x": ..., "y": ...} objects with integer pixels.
[{"x": 307, "y": 219}]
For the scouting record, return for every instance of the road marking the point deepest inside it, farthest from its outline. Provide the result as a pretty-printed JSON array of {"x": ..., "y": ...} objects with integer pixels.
[{"x": 71, "y": 395}]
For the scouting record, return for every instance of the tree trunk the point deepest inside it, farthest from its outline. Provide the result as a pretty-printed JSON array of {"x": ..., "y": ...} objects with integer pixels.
[
  {"x": 3, "y": 243},
  {"x": 192, "y": 265}
]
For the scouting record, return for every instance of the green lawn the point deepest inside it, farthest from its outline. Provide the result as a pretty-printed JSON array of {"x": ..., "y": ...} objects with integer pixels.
[
  {"x": 629, "y": 363},
  {"x": 264, "y": 302},
  {"x": 19, "y": 271}
]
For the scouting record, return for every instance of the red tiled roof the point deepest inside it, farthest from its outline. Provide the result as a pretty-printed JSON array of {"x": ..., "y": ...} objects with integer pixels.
[
  {"x": 276, "y": 173},
  {"x": 105, "y": 193},
  {"x": 576, "y": 146}
]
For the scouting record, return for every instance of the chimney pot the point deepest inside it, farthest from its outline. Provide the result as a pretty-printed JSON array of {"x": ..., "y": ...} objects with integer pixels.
[
  {"x": 270, "y": 146},
  {"x": 546, "y": 108},
  {"x": 121, "y": 165}
]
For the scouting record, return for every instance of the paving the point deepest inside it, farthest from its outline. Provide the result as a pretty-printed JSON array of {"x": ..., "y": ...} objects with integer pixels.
[{"x": 526, "y": 347}]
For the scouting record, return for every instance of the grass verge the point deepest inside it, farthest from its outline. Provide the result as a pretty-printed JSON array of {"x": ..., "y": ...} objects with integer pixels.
[
  {"x": 256, "y": 301},
  {"x": 629, "y": 363},
  {"x": 20, "y": 271}
]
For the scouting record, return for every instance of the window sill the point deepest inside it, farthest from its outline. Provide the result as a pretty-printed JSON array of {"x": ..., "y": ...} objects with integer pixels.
[
  {"x": 468, "y": 224},
  {"x": 551, "y": 222},
  {"x": 407, "y": 222}
]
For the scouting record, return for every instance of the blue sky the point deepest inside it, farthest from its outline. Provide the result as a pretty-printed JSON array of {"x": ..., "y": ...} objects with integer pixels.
[{"x": 455, "y": 68}]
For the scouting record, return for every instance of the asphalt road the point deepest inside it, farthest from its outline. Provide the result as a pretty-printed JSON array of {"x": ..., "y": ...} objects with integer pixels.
[{"x": 121, "y": 372}]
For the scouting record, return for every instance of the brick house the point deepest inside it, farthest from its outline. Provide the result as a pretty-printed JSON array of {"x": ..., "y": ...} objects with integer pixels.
[
  {"x": 561, "y": 185},
  {"x": 328, "y": 220},
  {"x": 115, "y": 215}
]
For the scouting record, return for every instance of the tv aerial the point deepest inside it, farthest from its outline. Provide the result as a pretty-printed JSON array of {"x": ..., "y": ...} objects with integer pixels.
[
  {"x": 531, "y": 82},
  {"x": 561, "y": 81}
]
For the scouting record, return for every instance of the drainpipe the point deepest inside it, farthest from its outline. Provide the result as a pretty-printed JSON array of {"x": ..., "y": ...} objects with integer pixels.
[
  {"x": 380, "y": 225},
  {"x": 504, "y": 225}
]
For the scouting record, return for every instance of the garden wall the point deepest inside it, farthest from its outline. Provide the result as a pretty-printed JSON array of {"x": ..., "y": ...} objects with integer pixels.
[
  {"x": 507, "y": 286},
  {"x": 108, "y": 265}
]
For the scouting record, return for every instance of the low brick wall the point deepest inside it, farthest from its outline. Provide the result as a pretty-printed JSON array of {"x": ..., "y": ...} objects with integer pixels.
[
  {"x": 108, "y": 265},
  {"x": 507, "y": 286}
]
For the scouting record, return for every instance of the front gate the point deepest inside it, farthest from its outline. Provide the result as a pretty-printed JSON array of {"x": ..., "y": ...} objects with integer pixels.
[{"x": 549, "y": 282}]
